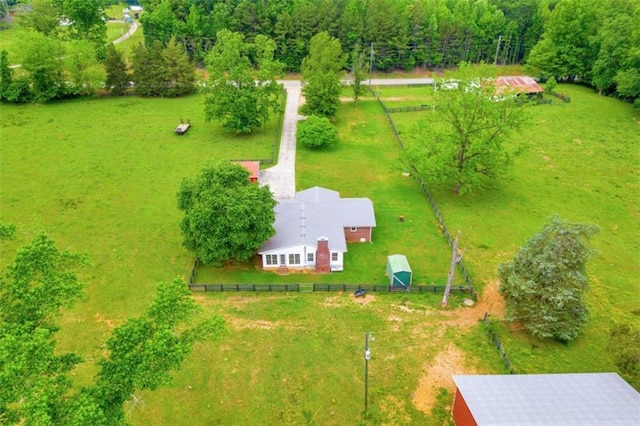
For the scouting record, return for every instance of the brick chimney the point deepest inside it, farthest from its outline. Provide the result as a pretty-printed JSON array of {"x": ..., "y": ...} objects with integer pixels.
[{"x": 323, "y": 257}]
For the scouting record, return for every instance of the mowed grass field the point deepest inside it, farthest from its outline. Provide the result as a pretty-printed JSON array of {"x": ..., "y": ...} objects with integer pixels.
[
  {"x": 582, "y": 164},
  {"x": 101, "y": 176}
]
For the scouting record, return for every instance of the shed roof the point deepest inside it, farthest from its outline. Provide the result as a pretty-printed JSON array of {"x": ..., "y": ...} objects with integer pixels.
[
  {"x": 518, "y": 84},
  {"x": 550, "y": 399},
  {"x": 318, "y": 212},
  {"x": 399, "y": 262},
  {"x": 253, "y": 167}
]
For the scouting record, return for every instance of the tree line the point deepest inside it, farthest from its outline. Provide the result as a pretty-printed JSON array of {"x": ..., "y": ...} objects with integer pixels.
[
  {"x": 594, "y": 42},
  {"x": 398, "y": 34}
]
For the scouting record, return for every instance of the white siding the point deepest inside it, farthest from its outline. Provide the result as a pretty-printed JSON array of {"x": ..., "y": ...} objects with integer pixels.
[{"x": 290, "y": 252}]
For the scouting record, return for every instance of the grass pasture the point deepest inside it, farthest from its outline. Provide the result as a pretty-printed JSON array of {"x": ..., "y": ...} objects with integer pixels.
[
  {"x": 581, "y": 164},
  {"x": 100, "y": 175}
]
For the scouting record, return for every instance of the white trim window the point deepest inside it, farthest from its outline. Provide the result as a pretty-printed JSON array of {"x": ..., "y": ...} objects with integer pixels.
[
  {"x": 310, "y": 257},
  {"x": 271, "y": 259},
  {"x": 294, "y": 258},
  {"x": 353, "y": 229},
  {"x": 334, "y": 256}
]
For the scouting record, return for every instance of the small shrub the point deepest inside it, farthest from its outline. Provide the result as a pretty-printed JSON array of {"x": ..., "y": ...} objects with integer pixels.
[
  {"x": 317, "y": 132},
  {"x": 551, "y": 84}
]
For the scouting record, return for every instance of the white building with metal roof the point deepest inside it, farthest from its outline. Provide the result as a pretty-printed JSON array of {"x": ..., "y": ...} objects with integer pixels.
[{"x": 313, "y": 228}]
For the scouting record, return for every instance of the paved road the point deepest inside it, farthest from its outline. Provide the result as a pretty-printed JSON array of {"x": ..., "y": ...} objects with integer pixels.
[
  {"x": 281, "y": 178},
  {"x": 132, "y": 29}
]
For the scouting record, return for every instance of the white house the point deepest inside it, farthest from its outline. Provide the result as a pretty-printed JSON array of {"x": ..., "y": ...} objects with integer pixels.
[{"x": 312, "y": 230}]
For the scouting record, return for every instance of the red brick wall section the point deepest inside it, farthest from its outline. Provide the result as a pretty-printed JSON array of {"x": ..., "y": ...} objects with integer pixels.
[
  {"x": 323, "y": 257},
  {"x": 354, "y": 236},
  {"x": 461, "y": 414}
]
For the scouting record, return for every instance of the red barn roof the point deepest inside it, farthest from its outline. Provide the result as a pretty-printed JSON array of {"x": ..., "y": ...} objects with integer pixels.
[
  {"x": 253, "y": 167},
  {"x": 518, "y": 84}
]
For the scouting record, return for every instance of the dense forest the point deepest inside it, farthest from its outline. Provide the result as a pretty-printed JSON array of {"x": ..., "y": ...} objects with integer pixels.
[
  {"x": 594, "y": 42},
  {"x": 397, "y": 34}
]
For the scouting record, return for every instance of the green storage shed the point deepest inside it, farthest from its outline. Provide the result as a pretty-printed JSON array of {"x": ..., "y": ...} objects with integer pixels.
[{"x": 399, "y": 271}]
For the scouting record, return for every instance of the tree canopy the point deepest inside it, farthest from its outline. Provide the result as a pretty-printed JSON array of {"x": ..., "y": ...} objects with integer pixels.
[
  {"x": 594, "y": 42},
  {"x": 544, "y": 284},
  {"x": 233, "y": 96},
  {"x": 464, "y": 142},
  {"x": 162, "y": 71},
  {"x": 321, "y": 71},
  {"x": 227, "y": 218},
  {"x": 35, "y": 379},
  {"x": 316, "y": 132}
]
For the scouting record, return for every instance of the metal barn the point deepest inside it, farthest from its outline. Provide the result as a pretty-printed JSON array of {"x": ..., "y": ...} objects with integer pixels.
[{"x": 399, "y": 271}]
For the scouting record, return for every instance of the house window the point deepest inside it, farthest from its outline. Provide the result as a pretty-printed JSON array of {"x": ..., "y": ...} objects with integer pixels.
[
  {"x": 294, "y": 259},
  {"x": 353, "y": 229},
  {"x": 283, "y": 259},
  {"x": 272, "y": 259},
  {"x": 334, "y": 256},
  {"x": 309, "y": 257}
]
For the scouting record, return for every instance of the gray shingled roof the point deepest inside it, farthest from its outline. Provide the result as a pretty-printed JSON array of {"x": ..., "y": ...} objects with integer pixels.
[
  {"x": 318, "y": 212},
  {"x": 550, "y": 399}
]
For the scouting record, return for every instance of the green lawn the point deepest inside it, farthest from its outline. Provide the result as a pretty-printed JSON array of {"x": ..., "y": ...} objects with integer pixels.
[
  {"x": 100, "y": 175},
  {"x": 581, "y": 164}
]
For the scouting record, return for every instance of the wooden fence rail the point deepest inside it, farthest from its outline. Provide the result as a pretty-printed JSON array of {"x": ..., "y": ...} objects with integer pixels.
[
  {"x": 467, "y": 278},
  {"x": 373, "y": 288},
  {"x": 497, "y": 343}
]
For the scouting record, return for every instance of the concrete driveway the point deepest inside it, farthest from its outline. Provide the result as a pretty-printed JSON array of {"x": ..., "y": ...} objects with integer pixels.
[{"x": 281, "y": 178}]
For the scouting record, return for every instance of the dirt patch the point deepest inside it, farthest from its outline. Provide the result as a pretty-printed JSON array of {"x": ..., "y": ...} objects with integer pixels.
[
  {"x": 102, "y": 320},
  {"x": 236, "y": 323},
  {"x": 437, "y": 374},
  {"x": 363, "y": 300},
  {"x": 489, "y": 301}
]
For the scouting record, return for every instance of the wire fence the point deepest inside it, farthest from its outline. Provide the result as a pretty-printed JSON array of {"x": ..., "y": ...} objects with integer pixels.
[
  {"x": 463, "y": 270},
  {"x": 497, "y": 343},
  {"x": 408, "y": 108},
  {"x": 307, "y": 288}
]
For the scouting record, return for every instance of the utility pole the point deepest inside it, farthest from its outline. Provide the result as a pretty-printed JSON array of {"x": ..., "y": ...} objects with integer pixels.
[
  {"x": 495, "y": 60},
  {"x": 455, "y": 259},
  {"x": 367, "y": 356},
  {"x": 370, "y": 64}
]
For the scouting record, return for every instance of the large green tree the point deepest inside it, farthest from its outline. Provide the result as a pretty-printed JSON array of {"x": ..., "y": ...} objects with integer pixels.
[
  {"x": 117, "y": 79},
  {"x": 162, "y": 70},
  {"x": 544, "y": 285},
  {"x": 464, "y": 142},
  {"x": 35, "y": 376},
  {"x": 42, "y": 16},
  {"x": 227, "y": 218},
  {"x": 86, "y": 21},
  {"x": 242, "y": 94},
  {"x": 42, "y": 57},
  {"x": 566, "y": 49},
  {"x": 84, "y": 73},
  {"x": 321, "y": 72}
]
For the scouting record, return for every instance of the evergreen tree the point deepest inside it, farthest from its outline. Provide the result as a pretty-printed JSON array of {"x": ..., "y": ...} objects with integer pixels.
[
  {"x": 117, "y": 79},
  {"x": 180, "y": 74},
  {"x": 544, "y": 284},
  {"x": 233, "y": 97}
]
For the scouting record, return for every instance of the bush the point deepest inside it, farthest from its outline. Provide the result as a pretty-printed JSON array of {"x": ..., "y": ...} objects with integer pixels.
[
  {"x": 317, "y": 132},
  {"x": 550, "y": 85}
]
